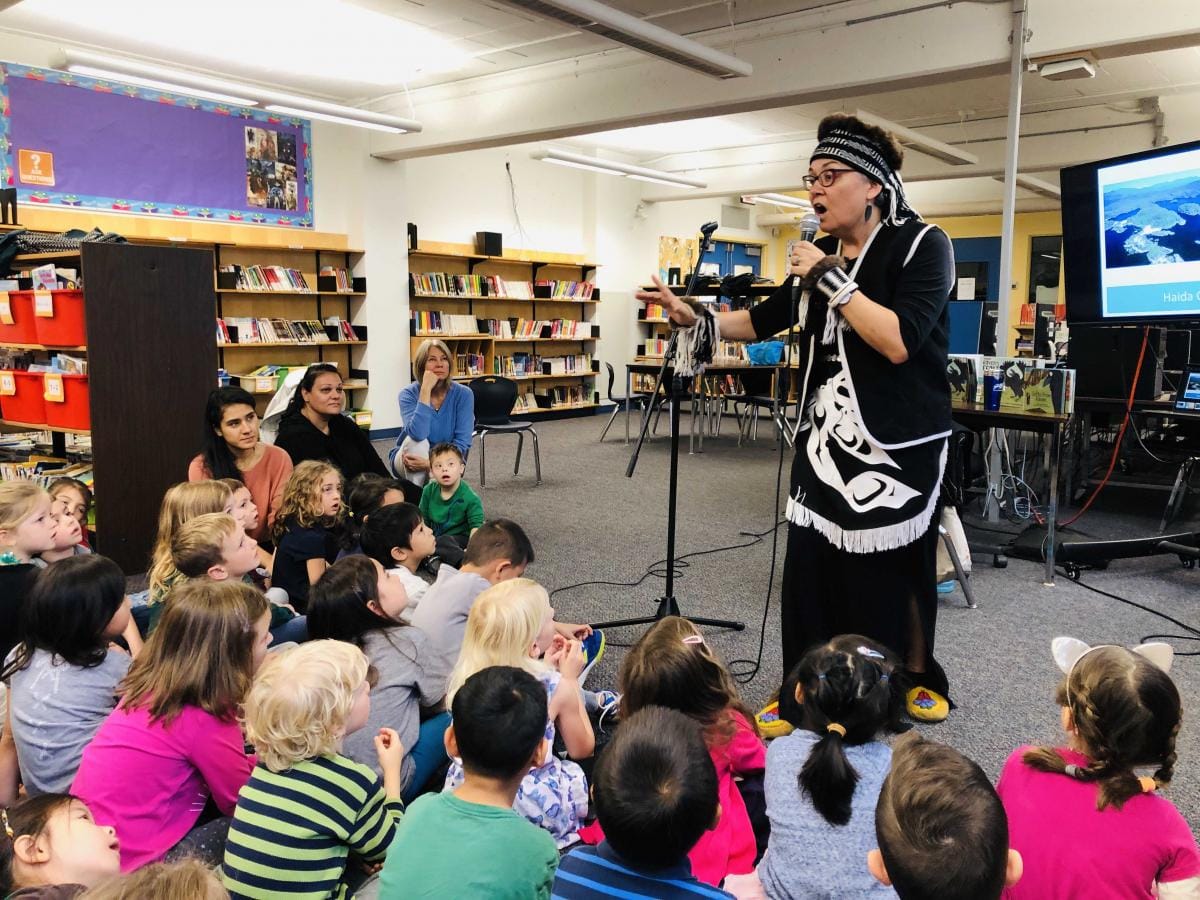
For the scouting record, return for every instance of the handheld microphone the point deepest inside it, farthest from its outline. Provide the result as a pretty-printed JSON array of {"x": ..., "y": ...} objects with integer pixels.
[
  {"x": 809, "y": 225},
  {"x": 708, "y": 228}
]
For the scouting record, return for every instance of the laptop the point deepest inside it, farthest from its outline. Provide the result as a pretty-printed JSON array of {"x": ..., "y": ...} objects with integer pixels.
[{"x": 1187, "y": 398}]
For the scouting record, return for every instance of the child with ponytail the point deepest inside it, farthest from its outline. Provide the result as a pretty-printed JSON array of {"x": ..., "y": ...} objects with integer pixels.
[
  {"x": 1086, "y": 824},
  {"x": 672, "y": 666},
  {"x": 823, "y": 779}
]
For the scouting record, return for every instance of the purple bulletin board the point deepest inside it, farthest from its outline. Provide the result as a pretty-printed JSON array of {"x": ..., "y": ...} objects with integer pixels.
[{"x": 69, "y": 140}]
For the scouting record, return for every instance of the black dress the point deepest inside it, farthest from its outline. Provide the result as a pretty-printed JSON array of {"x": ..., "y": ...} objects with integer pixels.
[
  {"x": 346, "y": 446},
  {"x": 865, "y": 486}
]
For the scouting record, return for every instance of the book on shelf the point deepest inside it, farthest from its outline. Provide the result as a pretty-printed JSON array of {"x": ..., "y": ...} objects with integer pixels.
[
  {"x": 1030, "y": 388},
  {"x": 655, "y": 347},
  {"x": 501, "y": 328},
  {"x": 655, "y": 311},
  {"x": 469, "y": 363},
  {"x": 563, "y": 395},
  {"x": 517, "y": 365},
  {"x": 427, "y": 323},
  {"x": 275, "y": 330},
  {"x": 475, "y": 286},
  {"x": 268, "y": 278},
  {"x": 524, "y": 402},
  {"x": 575, "y": 364},
  {"x": 341, "y": 275}
]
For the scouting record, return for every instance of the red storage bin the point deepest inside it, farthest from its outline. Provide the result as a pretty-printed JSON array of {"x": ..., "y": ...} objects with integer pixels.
[
  {"x": 22, "y": 330},
  {"x": 74, "y": 411},
  {"x": 66, "y": 327},
  {"x": 27, "y": 404}
]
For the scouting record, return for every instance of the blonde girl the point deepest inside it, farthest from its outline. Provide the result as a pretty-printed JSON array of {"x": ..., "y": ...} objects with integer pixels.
[
  {"x": 27, "y": 528},
  {"x": 512, "y": 624},
  {"x": 308, "y": 529},
  {"x": 173, "y": 744},
  {"x": 180, "y": 503}
]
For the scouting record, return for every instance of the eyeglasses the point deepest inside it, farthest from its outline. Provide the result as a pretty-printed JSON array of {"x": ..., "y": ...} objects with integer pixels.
[{"x": 827, "y": 177}]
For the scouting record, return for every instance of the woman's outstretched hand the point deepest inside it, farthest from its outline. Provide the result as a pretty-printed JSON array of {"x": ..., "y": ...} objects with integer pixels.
[{"x": 677, "y": 311}]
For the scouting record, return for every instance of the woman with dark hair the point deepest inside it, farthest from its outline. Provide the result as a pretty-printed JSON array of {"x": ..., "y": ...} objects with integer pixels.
[
  {"x": 63, "y": 676},
  {"x": 871, "y": 446},
  {"x": 313, "y": 427},
  {"x": 232, "y": 449},
  {"x": 358, "y": 602}
]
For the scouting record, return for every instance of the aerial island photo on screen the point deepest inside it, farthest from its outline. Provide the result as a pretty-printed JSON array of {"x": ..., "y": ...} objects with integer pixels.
[{"x": 1152, "y": 220}]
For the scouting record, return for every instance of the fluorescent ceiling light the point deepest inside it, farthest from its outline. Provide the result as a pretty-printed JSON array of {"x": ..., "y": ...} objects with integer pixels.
[
  {"x": 1036, "y": 185},
  {"x": 326, "y": 117},
  {"x": 271, "y": 40},
  {"x": 920, "y": 142},
  {"x": 187, "y": 82},
  {"x": 597, "y": 18},
  {"x": 778, "y": 200},
  {"x": 154, "y": 84},
  {"x": 1068, "y": 69},
  {"x": 708, "y": 133},
  {"x": 608, "y": 167}
]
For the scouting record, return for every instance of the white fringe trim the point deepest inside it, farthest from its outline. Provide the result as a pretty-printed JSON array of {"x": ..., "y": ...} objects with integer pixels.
[{"x": 871, "y": 540}]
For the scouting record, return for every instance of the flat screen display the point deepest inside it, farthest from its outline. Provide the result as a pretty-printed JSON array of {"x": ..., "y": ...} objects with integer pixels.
[{"x": 1131, "y": 238}]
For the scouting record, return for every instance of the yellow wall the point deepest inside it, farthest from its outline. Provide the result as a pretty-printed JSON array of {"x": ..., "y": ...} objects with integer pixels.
[{"x": 1026, "y": 227}]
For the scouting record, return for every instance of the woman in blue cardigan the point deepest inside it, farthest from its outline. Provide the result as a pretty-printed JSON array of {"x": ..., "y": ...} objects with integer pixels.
[{"x": 434, "y": 410}]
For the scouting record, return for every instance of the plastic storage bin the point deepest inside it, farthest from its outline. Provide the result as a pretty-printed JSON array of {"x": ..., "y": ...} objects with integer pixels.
[
  {"x": 27, "y": 404},
  {"x": 66, "y": 327},
  {"x": 74, "y": 411},
  {"x": 22, "y": 330}
]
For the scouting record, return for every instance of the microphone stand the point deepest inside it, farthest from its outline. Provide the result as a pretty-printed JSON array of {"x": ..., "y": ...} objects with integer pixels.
[{"x": 667, "y": 604}]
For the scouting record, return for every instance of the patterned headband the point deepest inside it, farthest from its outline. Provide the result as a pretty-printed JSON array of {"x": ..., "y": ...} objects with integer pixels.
[{"x": 860, "y": 153}]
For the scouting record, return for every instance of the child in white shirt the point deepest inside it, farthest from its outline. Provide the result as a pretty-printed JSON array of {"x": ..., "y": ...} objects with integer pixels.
[{"x": 397, "y": 537}]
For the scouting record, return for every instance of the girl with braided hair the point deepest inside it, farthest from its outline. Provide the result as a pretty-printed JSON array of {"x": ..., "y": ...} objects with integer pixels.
[
  {"x": 824, "y": 778},
  {"x": 871, "y": 381},
  {"x": 1085, "y": 822}
]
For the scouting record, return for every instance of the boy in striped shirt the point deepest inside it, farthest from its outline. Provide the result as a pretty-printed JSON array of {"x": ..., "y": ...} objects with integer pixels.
[{"x": 307, "y": 808}]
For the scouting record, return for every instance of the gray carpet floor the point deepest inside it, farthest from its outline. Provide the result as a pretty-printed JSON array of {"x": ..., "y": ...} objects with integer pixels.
[{"x": 588, "y": 522}]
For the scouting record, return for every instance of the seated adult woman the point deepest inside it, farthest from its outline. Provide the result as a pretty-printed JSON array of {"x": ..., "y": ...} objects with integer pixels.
[
  {"x": 434, "y": 410},
  {"x": 232, "y": 449},
  {"x": 314, "y": 428}
]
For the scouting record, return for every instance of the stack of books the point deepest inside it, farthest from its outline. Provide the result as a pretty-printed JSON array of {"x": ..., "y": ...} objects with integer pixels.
[
  {"x": 263, "y": 330},
  {"x": 576, "y": 364},
  {"x": 270, "y": 278},
  {"x": 342, "y": 275},
  {"x": 426, "y": 323},
  {"x": 518, "y": 365}
]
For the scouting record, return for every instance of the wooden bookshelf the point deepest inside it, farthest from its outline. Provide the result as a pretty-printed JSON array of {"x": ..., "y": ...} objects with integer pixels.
[
  {"x": 516, "y": 266},
  {"x": 150, "y": 368},
  {"x": 242, "y": 358}
]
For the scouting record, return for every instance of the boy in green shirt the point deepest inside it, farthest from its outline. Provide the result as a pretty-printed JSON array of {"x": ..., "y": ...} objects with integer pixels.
[
  {"x": 448, "y": 504},
  {"x": 469, "y": 842}
]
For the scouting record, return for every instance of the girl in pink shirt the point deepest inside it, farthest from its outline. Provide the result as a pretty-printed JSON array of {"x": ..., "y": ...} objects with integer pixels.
[
  {"x": 672, "y": 666},
  {"x": 173, "y": 747},
  {"x": 1084, "y": 822}
]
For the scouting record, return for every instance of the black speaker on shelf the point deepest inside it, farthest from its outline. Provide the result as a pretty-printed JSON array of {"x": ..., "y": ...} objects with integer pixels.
[
  {"x": 1104, "y": 360},
  {"x": 489, "y": 243}
]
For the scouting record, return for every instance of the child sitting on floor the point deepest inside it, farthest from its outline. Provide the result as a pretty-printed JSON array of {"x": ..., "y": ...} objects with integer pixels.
[
  {"x": 308, "y": 529},
  {"x": 72, "y": 496},
  {"x": 366, "y": 495},
  {"x": 512, "y": 624},
  {"x": 26, "y": 529},
  {"x": 497, "y": 552},
  {"x": 398, "y": 539},
  {"x": 941, "y": 828},
  {"x": 173, "y": 744},
  {"x": 68, "y": 538},
  {"x": 242, "y": 507},
  {"x": 52, "y": 848},
  {"x": 672, "y": 666},
  {"x": 183, "y": 880},
  {"x": 307, "y": 807},
  {"x": 823, "y": 779},
  {"x": 181, "y": 503},
  {"x": 63, "y": 676},
  {"x": 1084, "y": 822},
  {"x": 468, "y": 842},
  {"x": 655, "y": 794},
  {"x": 448, "y": 504},
  {"x": 215, "y": 546},
  {"x": 355, "y": 601}
]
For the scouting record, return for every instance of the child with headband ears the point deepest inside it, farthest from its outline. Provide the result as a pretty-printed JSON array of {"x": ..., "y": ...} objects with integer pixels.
[
  {"x": 823, "y": 779},
  {"x": 1086, "y": 824}
]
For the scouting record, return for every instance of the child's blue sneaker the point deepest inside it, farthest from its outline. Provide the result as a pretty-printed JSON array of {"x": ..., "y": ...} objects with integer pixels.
[
  {"x": 946, "y": 587},
  {"x": 593, "y": 649}
]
